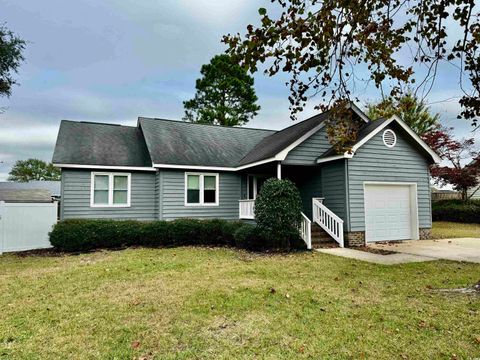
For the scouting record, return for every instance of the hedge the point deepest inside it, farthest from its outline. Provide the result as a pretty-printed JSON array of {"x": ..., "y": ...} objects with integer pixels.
[
  {"x": 77, "y": 235},
  {"x": 456, "y": 211}
]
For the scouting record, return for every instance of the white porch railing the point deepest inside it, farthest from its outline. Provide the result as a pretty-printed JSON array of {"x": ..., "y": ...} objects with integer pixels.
[
  {"x": 328, "y": 221},
  {"x": 246, "y": 209},
  {"x": 306, "y": 231}
]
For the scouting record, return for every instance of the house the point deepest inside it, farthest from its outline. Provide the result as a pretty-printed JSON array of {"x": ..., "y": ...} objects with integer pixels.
[
  {"x": 52, "y": 187},
  {"x": 474, "y": 193},
  {"x": 164, "y": 169},
  {"x": 25, "y": 195}
]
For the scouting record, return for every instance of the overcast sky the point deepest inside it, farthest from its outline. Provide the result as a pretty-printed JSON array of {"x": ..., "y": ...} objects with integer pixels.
[{"x": 113, "y": 61}]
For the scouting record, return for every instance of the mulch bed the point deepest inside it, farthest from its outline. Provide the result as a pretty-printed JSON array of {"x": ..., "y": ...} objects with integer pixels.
[{"x": 375, "y": 251}]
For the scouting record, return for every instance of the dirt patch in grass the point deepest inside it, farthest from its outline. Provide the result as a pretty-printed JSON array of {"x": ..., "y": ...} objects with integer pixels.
[
  {"x": 472, "y": 290},
  {"x": 375, "y": 251}
]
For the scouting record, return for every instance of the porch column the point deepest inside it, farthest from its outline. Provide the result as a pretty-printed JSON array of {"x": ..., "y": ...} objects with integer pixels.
[{"x": 279, "y": 170}]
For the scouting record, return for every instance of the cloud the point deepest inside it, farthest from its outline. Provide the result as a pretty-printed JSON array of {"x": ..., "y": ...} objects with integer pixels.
[{"x": 114, "y": 60}]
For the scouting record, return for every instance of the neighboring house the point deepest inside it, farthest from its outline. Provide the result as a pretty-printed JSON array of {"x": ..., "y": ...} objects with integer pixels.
[
  {"x": 164, "y": 169},
  {"x": 474, "y": 193},
  {"x": 25, "y": 196},
  {"x": 443, "y": 194},
  {"x": 52, "y": 187}
]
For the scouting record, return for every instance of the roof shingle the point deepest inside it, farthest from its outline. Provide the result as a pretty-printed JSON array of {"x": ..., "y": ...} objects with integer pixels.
[
  {"x": 182, "y": 143},
  {"x": 100, "y": 144}
]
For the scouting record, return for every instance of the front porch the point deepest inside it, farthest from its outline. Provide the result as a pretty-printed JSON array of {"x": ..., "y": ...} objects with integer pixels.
[{"x": 308, "y": 180}]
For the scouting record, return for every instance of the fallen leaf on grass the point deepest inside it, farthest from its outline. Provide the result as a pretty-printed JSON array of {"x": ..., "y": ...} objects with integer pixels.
[{"x": 135, "y": 344}]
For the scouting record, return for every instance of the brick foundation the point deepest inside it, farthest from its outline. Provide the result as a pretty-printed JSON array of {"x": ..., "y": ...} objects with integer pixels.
[
  {"x": 425, "y": 233},
  {"x": 355, "y": 238}
]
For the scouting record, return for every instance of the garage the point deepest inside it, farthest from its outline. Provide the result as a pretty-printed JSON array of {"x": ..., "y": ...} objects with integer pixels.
[{"x": 390, "y": 211}]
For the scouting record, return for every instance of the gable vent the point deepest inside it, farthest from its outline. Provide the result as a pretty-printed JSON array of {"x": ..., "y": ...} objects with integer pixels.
[{"x": 389, "y": 138}]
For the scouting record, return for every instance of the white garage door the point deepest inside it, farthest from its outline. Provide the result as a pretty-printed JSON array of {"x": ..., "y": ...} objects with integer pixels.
[{"x": 388, "y": 212}]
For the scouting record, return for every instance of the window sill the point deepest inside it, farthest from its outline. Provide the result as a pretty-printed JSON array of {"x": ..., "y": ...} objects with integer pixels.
[
  {"x": 110, "y": 206},
  {"x": 201, "y": 205}
]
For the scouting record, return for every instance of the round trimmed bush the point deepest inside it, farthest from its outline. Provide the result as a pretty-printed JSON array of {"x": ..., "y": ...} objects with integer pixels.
[{"x": 278, "y": 210}]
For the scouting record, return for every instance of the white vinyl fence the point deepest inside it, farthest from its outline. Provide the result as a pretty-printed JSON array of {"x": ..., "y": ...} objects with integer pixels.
[{"x": 25, "y": 226}]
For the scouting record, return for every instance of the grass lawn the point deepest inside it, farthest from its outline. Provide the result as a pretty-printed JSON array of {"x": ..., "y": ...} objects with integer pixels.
[
  {"x": 220, "y": 303},
  {"x": 446, "y": 230}
]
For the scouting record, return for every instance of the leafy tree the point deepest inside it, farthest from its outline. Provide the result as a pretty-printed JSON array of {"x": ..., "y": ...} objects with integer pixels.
[
  {"x": 225, "y": 95},
  {"x": 33, "y": 169},
  {"x": 11, "y": 55},
  {"x": 462, "y": 177},
  {"x": 409, "y": 108},
  {"x": 323, "y": 44}
]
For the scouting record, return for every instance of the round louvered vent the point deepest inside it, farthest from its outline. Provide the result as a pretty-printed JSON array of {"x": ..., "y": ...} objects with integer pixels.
[{"x": 389, "y": 138}]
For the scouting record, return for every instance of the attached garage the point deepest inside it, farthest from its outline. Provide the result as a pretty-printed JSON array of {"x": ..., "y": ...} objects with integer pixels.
[{"x": 390, "y": 211}]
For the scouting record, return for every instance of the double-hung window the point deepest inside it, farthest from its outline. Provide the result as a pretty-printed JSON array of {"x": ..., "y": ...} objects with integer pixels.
[
  {"x": 110, "y": 189},
  {"x": 201, "y": 189}
]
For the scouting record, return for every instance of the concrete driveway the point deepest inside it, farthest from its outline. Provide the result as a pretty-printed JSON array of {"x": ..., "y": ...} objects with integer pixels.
[{"x": 463, "y": 249}]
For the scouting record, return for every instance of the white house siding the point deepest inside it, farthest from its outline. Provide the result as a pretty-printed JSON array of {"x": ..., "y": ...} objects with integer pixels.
[
  {"x": 476, "y": 193},
  {"x": 76, "y": 197},
  {"x": 376, "y": 162}
]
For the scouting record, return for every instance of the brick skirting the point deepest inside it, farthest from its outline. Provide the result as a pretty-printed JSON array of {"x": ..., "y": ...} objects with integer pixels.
[
  {"x": 355, "y": 238},
  {"x": 425, "y": 233}
]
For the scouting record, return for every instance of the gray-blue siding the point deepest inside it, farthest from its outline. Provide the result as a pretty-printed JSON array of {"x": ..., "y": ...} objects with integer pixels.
[
  {"x": 334, "y": 189},
  {"x": 172, "y": 197},
  {"x": 308, "y": 151},
  {"x": 375, "y": 162},
  {"x": 75, "y": 202}
]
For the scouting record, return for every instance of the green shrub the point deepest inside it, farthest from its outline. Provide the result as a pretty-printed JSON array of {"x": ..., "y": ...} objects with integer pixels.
[
  {"x": 456, "y": 211},
  {"x": 83, "y": 235},
  {"x": 250, "y": 237},
  {"x": 278, "y": 210}
]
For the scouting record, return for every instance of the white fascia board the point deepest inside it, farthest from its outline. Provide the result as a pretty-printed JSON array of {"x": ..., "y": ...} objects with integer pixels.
[
  {"x": 359, "y": 112},
  {"x": 334, "y": 157},
  {"x": 283, "y": 154},
  {"x": 412, "y": 133},
  {"x": 371, "y": 135},
  {"x": 104, "y": 167},
  {"x": 422, "y": 143},
  {"x": 213, "y": 168},
  {"x": 193, "y": 167},
  {"x": 261, "y": 162}
]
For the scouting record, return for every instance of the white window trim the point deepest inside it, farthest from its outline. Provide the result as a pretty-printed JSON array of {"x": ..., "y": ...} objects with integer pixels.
[
  {"x": 110, "y": 190},
  {"x": 201, "y": 183}
]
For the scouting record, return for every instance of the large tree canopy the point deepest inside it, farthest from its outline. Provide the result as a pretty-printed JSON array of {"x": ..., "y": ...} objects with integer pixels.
[
  {"x": 409, "y": 108},
  {"x": 11, "y": 49},
  {"x": 327, "y": 47},
  {"x": 33, "y": 169},
  {"x": 225, "y": 94}
]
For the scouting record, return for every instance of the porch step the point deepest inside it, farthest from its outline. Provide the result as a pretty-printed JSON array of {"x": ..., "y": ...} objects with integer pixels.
[{"x": 321, "y": 239}]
